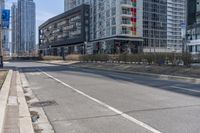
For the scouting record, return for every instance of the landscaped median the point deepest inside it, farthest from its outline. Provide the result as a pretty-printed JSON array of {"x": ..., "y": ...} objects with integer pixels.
[
  {"x": 160, "y": 65},
  {"x": 5, "y": 81},
  {"x": 181, "y": 73}
]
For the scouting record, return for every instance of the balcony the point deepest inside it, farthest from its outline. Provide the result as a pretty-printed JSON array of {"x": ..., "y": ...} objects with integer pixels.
[
  {"x": 126, "y": 3},
  {"x": 126, "y": 12}
]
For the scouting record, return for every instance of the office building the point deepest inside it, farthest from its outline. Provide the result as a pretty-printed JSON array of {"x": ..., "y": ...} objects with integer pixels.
[{"x": 26, "y": 27}]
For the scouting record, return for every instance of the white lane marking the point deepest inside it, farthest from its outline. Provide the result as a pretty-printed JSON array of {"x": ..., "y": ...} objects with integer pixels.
[
  {"x": 185, "y": 89},
  {"x": 128, "y": 117}
]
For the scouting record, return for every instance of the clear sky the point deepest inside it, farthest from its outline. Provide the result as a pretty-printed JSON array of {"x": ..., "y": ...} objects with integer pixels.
[{"x": 45, "y": 9}]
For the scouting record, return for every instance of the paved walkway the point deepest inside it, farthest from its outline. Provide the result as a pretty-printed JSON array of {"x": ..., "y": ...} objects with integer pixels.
[{"x": 12, "y": 116}]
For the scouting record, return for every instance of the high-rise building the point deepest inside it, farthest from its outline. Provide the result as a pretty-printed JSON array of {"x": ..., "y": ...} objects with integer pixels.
[
  {"x": 193, "y": 27},
  {"x": 191, "y": 12},
  {"x": 125, "y": 24},
  {"x": 176, "y": 24},
  {"x": 14, "y": 29},
  {"x": 26, "y": 27},
  {"x": 70, "y": 4},
  {"x": 115, "y": 25},
  {"x": 155, "y": 25}
]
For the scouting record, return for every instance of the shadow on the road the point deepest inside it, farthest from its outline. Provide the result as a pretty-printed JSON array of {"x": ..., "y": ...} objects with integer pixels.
[{"x": 121, "y": 77}]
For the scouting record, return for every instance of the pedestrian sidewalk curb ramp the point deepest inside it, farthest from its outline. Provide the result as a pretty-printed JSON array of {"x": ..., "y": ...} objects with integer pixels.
[
  {"x": 25, "y": 122},
  {"x": 4, "y": 93}
]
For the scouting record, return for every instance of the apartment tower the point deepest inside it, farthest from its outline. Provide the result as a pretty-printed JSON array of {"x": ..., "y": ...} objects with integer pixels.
[{"x": 116, "y": 26}]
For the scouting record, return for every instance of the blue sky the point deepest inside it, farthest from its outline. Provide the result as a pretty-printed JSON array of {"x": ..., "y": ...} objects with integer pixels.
[{"x": 45, "y": 9}]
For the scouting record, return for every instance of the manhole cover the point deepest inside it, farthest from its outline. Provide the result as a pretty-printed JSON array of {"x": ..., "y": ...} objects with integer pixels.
[{"x": 43, "y": 104}]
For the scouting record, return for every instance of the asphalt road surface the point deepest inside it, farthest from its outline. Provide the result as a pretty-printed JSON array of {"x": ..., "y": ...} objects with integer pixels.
[{"x": 95, "y": 101}]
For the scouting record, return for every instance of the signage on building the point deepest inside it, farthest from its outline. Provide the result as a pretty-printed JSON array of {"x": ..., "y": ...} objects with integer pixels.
[{"x": 5, "y": 19}]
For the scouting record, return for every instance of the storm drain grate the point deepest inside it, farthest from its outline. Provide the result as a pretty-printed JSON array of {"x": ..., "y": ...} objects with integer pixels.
[{"x": 44, "y": 104}]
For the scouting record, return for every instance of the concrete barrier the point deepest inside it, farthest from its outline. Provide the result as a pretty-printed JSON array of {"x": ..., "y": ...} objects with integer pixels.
[{"x": 4, "y": 93}]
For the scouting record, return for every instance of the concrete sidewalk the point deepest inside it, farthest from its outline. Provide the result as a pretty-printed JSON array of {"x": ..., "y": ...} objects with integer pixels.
[{"x": 17, "y": 118}]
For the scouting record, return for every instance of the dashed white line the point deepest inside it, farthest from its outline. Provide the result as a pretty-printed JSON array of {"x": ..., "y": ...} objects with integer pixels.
[
  {"x": 126, "y": 116},
  {"x": 185, "y": 89}
]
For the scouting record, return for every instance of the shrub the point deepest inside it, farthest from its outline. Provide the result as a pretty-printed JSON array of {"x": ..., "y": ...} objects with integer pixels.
[
  {"x": 97, "y": 57},
  {"x": 150, "y": 58},
  {"x": 187, "y": 59}
]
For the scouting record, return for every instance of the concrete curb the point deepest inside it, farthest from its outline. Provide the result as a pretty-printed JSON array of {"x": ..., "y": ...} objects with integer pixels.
[
  {"x": 160, "y": 76},
  {"x": 4, "y": 93},
  {"x": 25, "y": 122}
]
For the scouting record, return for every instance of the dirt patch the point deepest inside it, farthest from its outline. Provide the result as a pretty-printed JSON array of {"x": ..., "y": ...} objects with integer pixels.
[
  {"x": 34, "y": 116},
  {"x": 3, "y": 74},
  {"x": 37, "y": 129}
]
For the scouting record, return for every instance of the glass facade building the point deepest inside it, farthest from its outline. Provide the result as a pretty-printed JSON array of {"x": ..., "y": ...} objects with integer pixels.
[
  {"x": 24, "y": 27},
  {"x": 193, "y": 28},
  {"x": 155, "y": 25}
]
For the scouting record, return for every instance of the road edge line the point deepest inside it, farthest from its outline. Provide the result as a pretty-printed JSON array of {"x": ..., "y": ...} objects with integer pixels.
[
  {"x": 126, "y": 116},
  {"x": 4, "y": 93}
]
